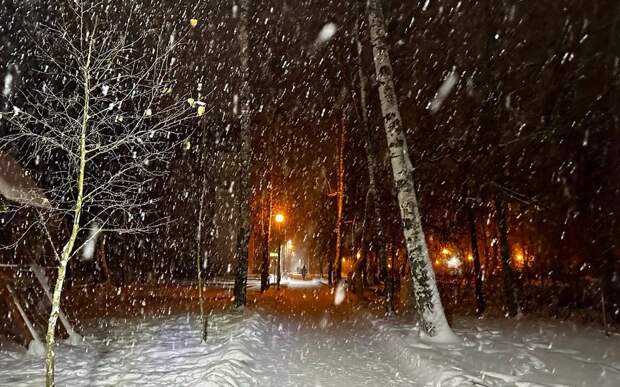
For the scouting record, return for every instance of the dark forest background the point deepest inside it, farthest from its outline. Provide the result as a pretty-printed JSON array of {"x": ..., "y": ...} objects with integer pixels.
[{"x": 533, "y": 119}]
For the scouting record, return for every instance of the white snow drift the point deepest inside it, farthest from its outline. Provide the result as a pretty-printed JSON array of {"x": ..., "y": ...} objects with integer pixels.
[{"x": 260, "y": 349}]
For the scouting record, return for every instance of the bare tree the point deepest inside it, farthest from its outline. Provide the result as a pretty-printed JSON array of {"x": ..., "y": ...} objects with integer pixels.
[
  {"x": 509, "y": 282},
  {"x": 104, "y": 115},
  {"x": 241, "y": 272},
  {"x": 200, "y": 255},
  {"x": 266, "y": 235},
  {"x": 337, "y": 275},
  {"x": 372, "y": 208},
  {"x": 473, "y": 234},
  {"x": 428, "y": 302}
]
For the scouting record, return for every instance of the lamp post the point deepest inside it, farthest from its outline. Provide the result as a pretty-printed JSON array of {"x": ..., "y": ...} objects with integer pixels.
[{"x": 279, "y": 220}]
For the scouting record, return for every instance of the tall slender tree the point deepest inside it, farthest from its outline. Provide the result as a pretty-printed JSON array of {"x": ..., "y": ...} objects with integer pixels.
[
  {"x": 480, "y": 304},
  {"x": 266, "y": 235},
  {"x": 510, "y": 292},
  {"x": 428, "y": 302},
  {"x": 199, "y": 229},
  {"x": 372, "y": 198},
  {"x": 337, "y": 275},
  {"x": 241, "y": 272},
  {"x": 106, "y": 111}
]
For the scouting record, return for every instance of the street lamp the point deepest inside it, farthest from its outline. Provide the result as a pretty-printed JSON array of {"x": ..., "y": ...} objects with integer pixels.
[{"x": 279, "y": 218}]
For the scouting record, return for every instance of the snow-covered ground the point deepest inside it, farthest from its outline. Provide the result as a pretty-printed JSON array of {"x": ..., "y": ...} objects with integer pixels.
[
  {"x": 254, "y": 283},
  {"x": 298, "y": 283},
  {"x": 343, "y": 345}
]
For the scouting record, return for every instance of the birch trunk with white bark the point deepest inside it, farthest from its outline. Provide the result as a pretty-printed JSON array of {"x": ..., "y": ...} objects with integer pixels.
[
  {"x": 39, "y": 274},
  {"x": 67, "y": 251},
  {"x": 428, "y": 302},
  {"x": 78, "y": 123}
]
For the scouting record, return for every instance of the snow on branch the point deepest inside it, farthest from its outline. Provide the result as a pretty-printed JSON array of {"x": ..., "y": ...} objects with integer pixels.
[{"x": 118, "y": 87}]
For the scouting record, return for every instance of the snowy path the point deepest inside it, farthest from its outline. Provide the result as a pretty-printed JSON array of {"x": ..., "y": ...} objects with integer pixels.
[
  {"x": 243, "y": 350},
  {"x": 270, "y": 345},
  {"x": 329, "y": 354}
]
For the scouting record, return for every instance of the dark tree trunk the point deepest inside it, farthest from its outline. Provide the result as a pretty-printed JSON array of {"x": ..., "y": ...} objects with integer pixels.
[
  {"x": 609, "y": 298},
  {"x": 480, "y": 304},
  {"x": 372, "y": 199},
  {"x": 388, "y": 286},
  {"x": 264, "y": 272},
  {"x": 279, "y": 263},
  {"x": 200, "y": 256},
  {"x": 241, "y": 272},
  {"x": 337, "y": 268},
  {"x": 510, "y": 290}
]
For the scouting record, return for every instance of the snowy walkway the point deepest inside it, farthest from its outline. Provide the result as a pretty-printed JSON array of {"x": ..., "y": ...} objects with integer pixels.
[
  {"x": 242, "y": 350},
  {"x": 324, "y": 346}
]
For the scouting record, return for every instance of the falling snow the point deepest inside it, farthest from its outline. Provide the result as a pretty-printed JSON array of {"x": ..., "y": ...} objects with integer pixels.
[{"x": 312, "y": 192}]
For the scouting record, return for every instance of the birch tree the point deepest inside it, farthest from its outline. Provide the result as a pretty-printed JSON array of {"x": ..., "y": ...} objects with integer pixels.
[
  {"x": 241, "y": 272},
  {"x": 428, "y": 301},
  {"x": 104, "y": 116}
]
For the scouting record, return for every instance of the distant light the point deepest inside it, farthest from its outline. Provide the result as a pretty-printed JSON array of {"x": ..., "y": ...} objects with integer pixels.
[
  {"x": 470, "y": 257},
  {"x": 279, "y": 218},
  {"x": 454, "y": 262},
  {"x": 289, "y": 244},
  {"x": 445, "y": 251},
  {"x": 520, "y": 258},
  {"x": 358, "y": 255}
]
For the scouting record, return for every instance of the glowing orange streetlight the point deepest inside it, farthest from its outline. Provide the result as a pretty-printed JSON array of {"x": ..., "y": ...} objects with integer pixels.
[
  {"x": 279, "y": 218},
  {"x": 520, "y": 259}
]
